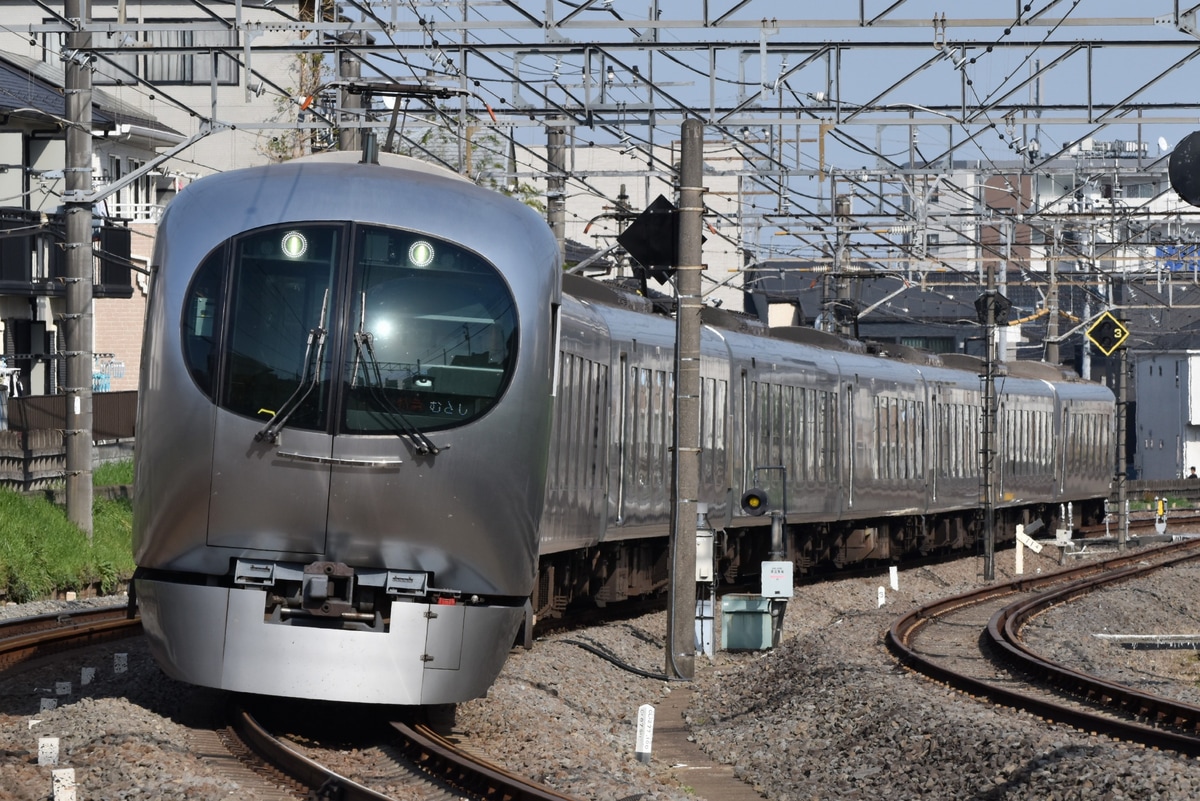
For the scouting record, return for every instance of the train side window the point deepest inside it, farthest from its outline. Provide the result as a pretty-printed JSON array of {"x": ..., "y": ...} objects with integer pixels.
[
  {"x": 658, "y": 396},
  {"x": 708, "y": 434},
  {"x": 572, "y": 408},
  {"x": 720, "y": 404},
  {"x": 789, "y": 429},
  {"x": 918, "y": 427},
  {"x": 566, "y": 393},
  {"x": 202, "y": 321},
  {"x": 777, "y": 432},
  {"x": 641, "y": 439},
  {"x": 621, "y": 425},
  {"x": 599, "y": 398},
  {"x": 828, "y": 404},
  {"x": 668, "y": 427}
]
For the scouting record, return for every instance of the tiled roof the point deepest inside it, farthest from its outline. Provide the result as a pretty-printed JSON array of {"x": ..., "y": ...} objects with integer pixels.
[
  {"x": 1160, "y": 311},
  {"x": 29, "y": 84}
]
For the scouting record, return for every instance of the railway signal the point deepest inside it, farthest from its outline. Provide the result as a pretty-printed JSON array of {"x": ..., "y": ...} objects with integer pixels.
[
  {"x": 755, "y": 502},
  {"x": 1107, "y": 333}
]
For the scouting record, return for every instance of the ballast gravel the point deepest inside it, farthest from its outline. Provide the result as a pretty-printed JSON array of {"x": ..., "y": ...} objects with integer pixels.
[{"x": 828, "y": 714}]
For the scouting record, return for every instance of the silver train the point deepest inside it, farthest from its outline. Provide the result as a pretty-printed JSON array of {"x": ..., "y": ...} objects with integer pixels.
[{"x": 376, "y": 435}]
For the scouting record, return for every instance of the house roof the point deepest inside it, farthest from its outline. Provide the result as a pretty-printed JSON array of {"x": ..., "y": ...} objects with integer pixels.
[
  {"x": 31, "y": 87},
  {"x": 1160, "y": 311}
]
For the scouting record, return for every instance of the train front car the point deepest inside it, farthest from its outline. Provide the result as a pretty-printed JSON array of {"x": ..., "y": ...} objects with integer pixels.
[{"x": 342, "y": 432}]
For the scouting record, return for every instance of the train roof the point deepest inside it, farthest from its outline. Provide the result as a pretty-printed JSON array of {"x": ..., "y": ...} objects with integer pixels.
[
  {"x": 392, "y": 160},
  {"x": 621, "y": 296}
]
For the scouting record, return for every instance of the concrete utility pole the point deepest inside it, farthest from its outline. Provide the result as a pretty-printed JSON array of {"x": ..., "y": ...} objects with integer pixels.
[
  {"x": 1052, "y": 308},
  {"x": 350, "y": 69},
  {"x": 989, "y": 426},
  {"x": 77, "y": 322},
  {"x": 681, "y": 632},
  {"x": 1122, "y": 422},
  {"x": 556, "y": 183}
]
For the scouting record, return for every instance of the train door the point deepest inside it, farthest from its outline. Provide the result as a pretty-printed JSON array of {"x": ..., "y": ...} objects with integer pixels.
[{"x": 270, "y": 472}]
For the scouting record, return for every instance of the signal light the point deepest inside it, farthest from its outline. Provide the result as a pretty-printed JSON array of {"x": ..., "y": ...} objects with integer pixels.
[{"x": 755, "y": 502}]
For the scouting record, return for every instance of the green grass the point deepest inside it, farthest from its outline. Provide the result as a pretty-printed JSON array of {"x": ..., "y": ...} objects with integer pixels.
[
  {"x": 42, "y": 552},
  {"x": 1148, "y": 504},
  {"x": 111, "y": 474}
]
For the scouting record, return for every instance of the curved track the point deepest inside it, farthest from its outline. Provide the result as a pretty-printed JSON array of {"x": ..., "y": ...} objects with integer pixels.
[
  {"x": 972, "y": 642},
  {"x": 418, "y": 758},
  {"x": 25, "y": 639}
]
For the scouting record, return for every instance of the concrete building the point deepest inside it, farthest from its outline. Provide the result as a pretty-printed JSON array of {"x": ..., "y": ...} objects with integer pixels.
[{"x": 1167, "y": 388}]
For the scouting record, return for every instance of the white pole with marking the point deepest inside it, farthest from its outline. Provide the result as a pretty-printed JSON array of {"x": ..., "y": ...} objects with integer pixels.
[{"x": 645, "y": 732}]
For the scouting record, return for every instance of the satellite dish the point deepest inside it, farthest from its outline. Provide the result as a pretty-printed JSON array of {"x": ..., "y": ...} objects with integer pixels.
[{"x": 1163, "y": 144}]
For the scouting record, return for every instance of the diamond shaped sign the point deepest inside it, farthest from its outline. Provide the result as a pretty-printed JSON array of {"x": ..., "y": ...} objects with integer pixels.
[{"x": 1107, "y": 333}]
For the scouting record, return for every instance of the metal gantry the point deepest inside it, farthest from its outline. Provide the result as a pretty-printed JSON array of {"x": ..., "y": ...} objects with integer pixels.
[{"x": 871, "y": 105}]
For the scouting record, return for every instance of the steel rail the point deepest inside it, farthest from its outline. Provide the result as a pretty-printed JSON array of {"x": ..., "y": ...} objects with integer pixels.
[
  {"x": 441, "y": 758},
  {"x": 1066, "y": 584},
  {"x": 1181, "y": 720},
  {"x": 430, "y": 755},
  {"x": 319, "y": 780},
  {"x": 23, "y": 640}
]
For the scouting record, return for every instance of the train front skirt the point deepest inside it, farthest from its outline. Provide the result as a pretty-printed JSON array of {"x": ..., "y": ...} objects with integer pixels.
[{"x": 218, "y": 637}]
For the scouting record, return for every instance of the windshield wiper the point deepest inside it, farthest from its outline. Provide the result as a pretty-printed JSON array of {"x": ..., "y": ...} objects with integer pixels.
[
  {"x": 312, "y": 360},
  {"x": 364, "y": 351}
]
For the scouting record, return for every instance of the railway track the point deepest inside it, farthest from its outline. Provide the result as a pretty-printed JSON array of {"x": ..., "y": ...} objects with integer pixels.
[
  {"x": 25, "y": 640},
  {"x": 267, "y": 765},
  {"x": 973, "y": 643},
  {"x": 409, "y": 755}
]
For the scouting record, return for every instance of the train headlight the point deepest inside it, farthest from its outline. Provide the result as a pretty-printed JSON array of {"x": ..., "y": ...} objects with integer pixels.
[
  {"x": 755, "y": 502},
  {"x": 420, "y": 253},
  {"x": 294, "y": 244}
]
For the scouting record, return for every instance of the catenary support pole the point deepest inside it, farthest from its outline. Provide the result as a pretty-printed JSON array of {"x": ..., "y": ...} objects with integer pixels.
[
  {"x": 349, "y": 68},
  {"x": 556, "y": 182},
  {"x": 989, "y": 427},
  {"x": 681, "y": 637},
  {"x": 1122, "y": 456},
  {"x": 77, "y": 322}
]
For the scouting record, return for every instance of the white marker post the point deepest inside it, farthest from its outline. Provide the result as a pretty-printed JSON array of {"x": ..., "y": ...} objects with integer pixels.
[
  {"x": 645, "y": 733},
  {"x": 63, "y": 782},
  {"x": 47, "y": 751},
  {"x": 1025, "y": 541},
  {"x": 894, "y": 574},
  {"x": 86, "y": 675},
  {"x": 881, "y": 597}
]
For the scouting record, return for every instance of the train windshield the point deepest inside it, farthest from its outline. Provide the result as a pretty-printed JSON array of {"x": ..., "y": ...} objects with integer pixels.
[
  {"x": 432, "y": 330},
  {"x": 427, "y": 330}
]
